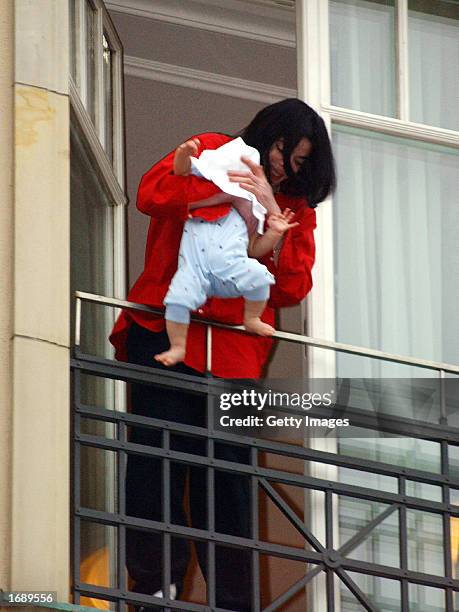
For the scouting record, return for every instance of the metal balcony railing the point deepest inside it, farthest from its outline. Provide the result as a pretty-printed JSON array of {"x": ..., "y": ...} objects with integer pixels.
[{"x": 317, "y": 556}]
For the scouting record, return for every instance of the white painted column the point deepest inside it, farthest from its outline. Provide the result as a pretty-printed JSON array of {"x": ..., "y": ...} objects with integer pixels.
[
  {"x": 40, "y": 435},
  {"x": 6, "y": 280},
  {"x": 314, "y": 89}
]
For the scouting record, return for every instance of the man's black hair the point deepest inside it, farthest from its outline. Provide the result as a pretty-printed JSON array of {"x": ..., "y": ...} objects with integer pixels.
[{"x": 289, "y": 121}]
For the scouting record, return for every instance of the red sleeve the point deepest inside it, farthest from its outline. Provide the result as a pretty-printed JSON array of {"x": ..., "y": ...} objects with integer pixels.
[
  {"x": 161, "y": 193},
  {"x": 296, "y": 258}
]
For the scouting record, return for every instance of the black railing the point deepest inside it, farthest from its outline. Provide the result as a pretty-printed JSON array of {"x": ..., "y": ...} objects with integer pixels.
[{"x": 317, "y": 556}]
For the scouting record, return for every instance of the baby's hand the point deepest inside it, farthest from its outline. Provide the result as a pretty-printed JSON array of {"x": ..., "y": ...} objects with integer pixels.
[
  {"x": 182, "y": 161},
  {"x": 281, "y": 222}
]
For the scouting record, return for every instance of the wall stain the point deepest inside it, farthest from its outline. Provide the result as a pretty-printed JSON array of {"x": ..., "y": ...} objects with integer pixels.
[{"x": 32, "y": 106}]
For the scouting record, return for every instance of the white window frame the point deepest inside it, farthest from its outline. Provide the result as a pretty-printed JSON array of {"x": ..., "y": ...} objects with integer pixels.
[
  {"x": 314, "y": 86},
  {"x": 111, "y": 174}
]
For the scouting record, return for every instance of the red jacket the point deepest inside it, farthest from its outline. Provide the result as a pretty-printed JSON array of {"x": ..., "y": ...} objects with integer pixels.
[{"x": 165, "y": 198}]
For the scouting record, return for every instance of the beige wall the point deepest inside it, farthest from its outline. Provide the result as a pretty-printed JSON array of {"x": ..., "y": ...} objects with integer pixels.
[
  {"x": 6, "y": 279},
  {"x": 34, "y": 305}
]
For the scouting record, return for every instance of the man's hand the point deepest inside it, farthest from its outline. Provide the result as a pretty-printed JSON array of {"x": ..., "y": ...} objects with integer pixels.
[
  {"x": 183, "y": 153},
  {"x": 255, "y": 181}
]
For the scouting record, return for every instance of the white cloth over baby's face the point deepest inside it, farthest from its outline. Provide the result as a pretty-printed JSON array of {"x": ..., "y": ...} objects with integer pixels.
[{"x": 214, "y": 165}]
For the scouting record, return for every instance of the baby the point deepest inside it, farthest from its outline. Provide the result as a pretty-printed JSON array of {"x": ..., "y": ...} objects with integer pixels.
[{"x": 217, "y": 258}]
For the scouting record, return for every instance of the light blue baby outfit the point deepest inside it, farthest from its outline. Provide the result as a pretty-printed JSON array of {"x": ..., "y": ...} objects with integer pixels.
[{"x": 213, "y": 261}]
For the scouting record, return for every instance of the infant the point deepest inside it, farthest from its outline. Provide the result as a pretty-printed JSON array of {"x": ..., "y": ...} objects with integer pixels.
[{"x": 217, "y": 258}]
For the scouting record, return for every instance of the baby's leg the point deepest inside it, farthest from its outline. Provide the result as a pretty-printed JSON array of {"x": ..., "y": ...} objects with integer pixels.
[
  {"x": 253, "y": 309},
  {"x": 177, "y": 322}
]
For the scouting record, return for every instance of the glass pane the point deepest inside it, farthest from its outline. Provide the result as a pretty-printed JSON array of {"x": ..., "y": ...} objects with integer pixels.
[
  {"x": 98, "y": 479},
  {"x": 453, "y": 457},
  {"x": 424, "y": 598},
  {"x": 108, "y": 94},
  {"x": 91, "y": 226},
  {"x": 359, "y": 478},
  {"x": 382, "y": 592},
  {"x": 409, "y": 397},
  {"x": 396, "y": 223},
  {"x": 90, "y": 60},
  {"x": 423, "y": 490},
  {"x": 455, "y": 543},
  {"x": 98, "y": 558},
  {"x": 425, "y": 542},
  {"x": 362, "y": 55},
  {"x": 381, "y": 545},
  {"x": 404, "y": 452},
  {"x": 433, "y": 42}
]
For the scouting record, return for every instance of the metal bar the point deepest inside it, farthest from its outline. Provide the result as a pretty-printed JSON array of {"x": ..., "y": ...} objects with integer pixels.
[
  {"x": 195, "y": 384},
  {"x": 403, "y": 543},
  {"x": 97, "y": 366},
  {"x": 447, "y": 544},
  {"x": 76, "y": 522},
  {"x": 166, "y": 503},
  {"x": 271, "y": 447},
  {"x": 294, "y": 589},
  {"x": 307, "y": 482},
  {"x": 356, "y": 591},
  {"x": 276, "y": 550},
  {"x": 255, "y": 532},
  {"x": 210, "y": 478},
  {"x": 443, "y": 411},
  {"x": 358, "y": 538},
  {"x": 121, "y": 479},
  {"x": 292, "y": 517},
  {"x": 329, "y": 573},
  {"x": 91, "y": 590},
  {"x": 287, "y": 336}
]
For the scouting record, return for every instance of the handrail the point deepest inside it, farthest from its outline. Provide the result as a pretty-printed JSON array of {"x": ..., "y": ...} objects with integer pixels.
[{"x": 441, "y": 367}]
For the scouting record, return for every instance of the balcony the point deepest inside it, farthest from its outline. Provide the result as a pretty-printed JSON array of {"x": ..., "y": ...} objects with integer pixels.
[{"x": 370, "y": 516}]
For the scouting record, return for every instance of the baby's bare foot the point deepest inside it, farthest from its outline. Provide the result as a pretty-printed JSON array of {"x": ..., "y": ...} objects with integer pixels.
[
  {"x": 256, "y": 326},
  {"x": 172, "y": 356}
]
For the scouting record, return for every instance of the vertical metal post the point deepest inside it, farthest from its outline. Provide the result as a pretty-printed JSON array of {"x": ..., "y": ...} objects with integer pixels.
[
  {"x": 209, "y": 349},
  {"x": 403, "y": 543},
  {"x": 256, "y": 603},
  {"x": 167, "y": 561},
  {"x": 447, "y": 549},
  {"x": 76, "y": 487},
  {"x": 442, "y": 394},
  {"x": 330, "y": 574},
  {"x": 121, "y": 540},
  {"x": 211, "y": 573}
]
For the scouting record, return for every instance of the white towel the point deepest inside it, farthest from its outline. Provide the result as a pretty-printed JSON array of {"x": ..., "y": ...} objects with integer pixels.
[{"x": 213, "y": 164}]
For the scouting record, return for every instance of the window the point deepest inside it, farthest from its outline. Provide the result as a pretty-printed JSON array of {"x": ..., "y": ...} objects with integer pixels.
[
  {"x": 96, "y": 74},
  {"x": 97, "y": 244},
  {"x": 386, "y": 273}
]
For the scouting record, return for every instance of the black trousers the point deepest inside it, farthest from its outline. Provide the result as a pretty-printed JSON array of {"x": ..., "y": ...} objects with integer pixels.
[{"x": 144, "y": 488}]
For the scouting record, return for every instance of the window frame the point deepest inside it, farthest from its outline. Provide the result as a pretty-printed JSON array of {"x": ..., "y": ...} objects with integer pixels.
[
  {"x": 314, "y": 86},
  {"x": 111, "y": 173}
]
